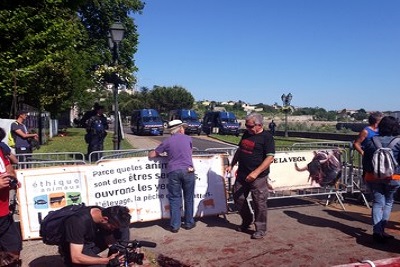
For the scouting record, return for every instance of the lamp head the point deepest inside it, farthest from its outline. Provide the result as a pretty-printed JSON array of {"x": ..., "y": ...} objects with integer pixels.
[{"x": 117, "y": 31}]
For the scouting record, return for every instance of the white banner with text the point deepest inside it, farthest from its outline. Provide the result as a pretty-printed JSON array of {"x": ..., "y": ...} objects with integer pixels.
[{"x": 137, "y": 183}]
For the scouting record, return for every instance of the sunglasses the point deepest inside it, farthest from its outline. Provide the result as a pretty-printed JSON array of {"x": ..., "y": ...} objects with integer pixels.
[{"x": 251, "y": 126}]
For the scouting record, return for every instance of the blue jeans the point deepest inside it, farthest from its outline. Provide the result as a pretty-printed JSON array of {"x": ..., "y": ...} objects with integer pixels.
[
  {"x": 178, "y": 181},
  {"x": 382, "y": 194}
]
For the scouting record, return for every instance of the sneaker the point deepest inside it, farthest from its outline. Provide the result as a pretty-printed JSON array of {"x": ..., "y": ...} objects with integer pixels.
[
  {"x": 173, "y": 230},
  {"x": 188, "y": 227},
  {"x": 258, "y": 235},
  {"x": 243, "y": 228}
]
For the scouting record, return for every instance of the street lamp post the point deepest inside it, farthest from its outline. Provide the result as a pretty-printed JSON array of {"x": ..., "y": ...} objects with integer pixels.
[
  {"x": 286, "y": 108},
  {"x": 115, "y": 36}
]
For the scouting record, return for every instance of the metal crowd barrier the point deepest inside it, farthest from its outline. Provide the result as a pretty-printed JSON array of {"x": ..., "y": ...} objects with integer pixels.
[
  {"x": 116, "y": 154},
  {"x": 37, "y": 160},
  {"x": 350, "y": 182},
  {"x": 352, "y": 165}
]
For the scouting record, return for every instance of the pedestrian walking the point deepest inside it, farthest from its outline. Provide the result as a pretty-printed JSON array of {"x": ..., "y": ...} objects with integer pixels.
[
  {"x": 254, "y": 156},
  {"x": 382, "y": 189},
  {"x": 368, "y": 132}
]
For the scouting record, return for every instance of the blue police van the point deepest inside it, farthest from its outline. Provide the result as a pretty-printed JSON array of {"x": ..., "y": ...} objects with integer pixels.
[
  {"x": 188, "y": 116},
  {"x": 220, "y": 122},
  {"x": 146, "y": 122}
]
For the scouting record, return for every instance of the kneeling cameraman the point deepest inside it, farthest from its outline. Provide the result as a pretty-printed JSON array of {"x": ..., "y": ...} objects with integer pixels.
[{"x": 91, "y": 231}]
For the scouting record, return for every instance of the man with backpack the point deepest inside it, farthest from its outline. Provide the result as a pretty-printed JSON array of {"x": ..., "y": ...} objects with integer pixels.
[
  {"x": 88, "y": 114},
  {"x": 382, "y": 174},
  {"x": 22, "y": 137},
  {"x": 96, "y": 133},
  {"x": 92, "y": 230}
]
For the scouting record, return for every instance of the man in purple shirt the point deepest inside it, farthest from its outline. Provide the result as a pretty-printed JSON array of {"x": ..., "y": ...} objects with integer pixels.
[{"x": 180, "y": 173}]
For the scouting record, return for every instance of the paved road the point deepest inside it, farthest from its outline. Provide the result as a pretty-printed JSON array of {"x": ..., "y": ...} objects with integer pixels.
[
  {"x": 301, "y": 232},
  {"x": 201, "y": 142}
]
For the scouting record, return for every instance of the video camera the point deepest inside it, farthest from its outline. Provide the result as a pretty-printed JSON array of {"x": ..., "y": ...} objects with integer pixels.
[
  {"x": 128, "y": 250},
  {"x": 13, "y": 182}
]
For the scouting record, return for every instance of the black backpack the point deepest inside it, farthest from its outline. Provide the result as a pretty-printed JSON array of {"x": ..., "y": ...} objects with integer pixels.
[
  {"x": 96, "y": 126},
  {"x": 52, "y": 226}
]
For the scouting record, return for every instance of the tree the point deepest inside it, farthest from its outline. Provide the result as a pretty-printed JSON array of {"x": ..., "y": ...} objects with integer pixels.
[
  {"x": 42, "y": 37},
  {"x": 360, "y": 115},
  {"x": 165, "y": 99},
  {"x": 62, "y": 42},
  {"x": 128, "y": 103}
]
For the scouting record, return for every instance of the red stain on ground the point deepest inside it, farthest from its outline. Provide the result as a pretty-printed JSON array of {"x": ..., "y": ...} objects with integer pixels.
[{"x": 229, "y": 250}]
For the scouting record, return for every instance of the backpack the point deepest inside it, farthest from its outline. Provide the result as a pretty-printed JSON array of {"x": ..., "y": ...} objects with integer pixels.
[
  {"x": 10, "y": 139},
  {"x": 96, "y": 126},
  {"x": 383, "y": 162},
  {"x": 51, "y": 227}
]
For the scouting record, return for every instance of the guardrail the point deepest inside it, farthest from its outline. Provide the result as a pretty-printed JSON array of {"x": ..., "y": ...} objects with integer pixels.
[
  {"x": 350, "y": 182},
  {"x": 37, "y": 160}
]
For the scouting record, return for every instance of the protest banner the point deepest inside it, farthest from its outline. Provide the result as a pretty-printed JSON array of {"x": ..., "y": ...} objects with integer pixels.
[{"x": 137, "y": 183}]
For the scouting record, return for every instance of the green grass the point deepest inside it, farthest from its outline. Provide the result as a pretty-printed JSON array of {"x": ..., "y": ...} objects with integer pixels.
[
  {"x": 72, "y": 140},
  {"x": 279, "y": 141}
]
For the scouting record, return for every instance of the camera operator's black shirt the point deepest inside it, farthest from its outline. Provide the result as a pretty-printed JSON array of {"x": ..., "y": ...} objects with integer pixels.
[{"x": 81, "y": 229}]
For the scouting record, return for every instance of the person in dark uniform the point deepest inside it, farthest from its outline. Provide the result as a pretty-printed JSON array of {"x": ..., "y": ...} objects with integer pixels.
[
  {"x": 272, "y": 126},
  {"x": 88, "y": 114},
  {"x": 96, "y": 133}
]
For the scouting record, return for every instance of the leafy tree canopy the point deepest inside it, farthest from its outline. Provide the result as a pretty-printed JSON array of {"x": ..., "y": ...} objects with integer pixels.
[
  {"x": 50, "y": 49},
  {"x": 165, "y": 99}
]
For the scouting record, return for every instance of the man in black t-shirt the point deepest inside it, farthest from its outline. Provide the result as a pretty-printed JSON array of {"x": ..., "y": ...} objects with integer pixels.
[
  {"x": 91, "y": 231},
  {"x": 255, "y": 154}
]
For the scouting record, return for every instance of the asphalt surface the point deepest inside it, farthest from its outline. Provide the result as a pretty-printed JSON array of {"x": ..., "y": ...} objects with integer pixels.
[{"x": 301, "y": 232}]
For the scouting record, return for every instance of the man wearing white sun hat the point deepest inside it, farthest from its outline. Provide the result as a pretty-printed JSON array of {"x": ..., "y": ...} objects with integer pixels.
[{"x": 181, "y": 178}]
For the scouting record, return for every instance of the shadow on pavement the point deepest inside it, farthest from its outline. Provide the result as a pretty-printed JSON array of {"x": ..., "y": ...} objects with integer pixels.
[
  {"x": 54, "y": 260},
  {"x": 360, "y": 234}
]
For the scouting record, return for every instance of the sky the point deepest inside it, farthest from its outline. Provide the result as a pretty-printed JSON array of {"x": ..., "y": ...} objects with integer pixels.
[{"x": 332, "y": 54}]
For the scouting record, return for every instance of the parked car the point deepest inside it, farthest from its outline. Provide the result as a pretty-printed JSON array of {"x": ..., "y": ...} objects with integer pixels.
[
  {"x": 188, "y": 116},
  {"x": 220, "y": 122},
  {"x": 146, "y": 121}
]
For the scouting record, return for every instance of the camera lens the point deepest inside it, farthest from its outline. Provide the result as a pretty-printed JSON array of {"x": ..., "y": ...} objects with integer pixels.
[{"x": 136, "y": 258}]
